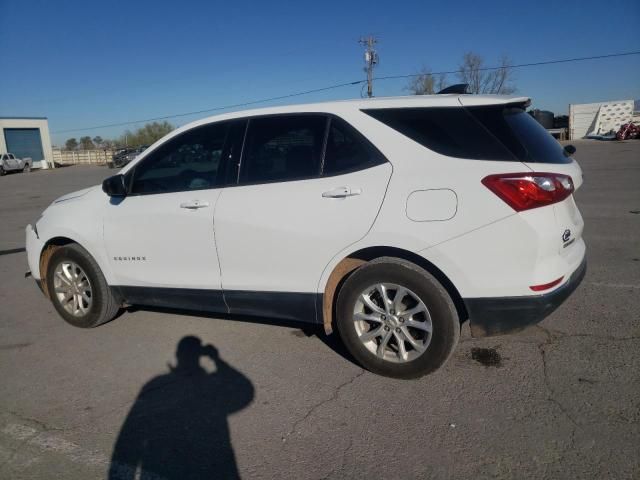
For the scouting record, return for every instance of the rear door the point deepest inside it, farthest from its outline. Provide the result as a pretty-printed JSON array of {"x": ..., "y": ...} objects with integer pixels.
[{"x": 309, "y": 186}]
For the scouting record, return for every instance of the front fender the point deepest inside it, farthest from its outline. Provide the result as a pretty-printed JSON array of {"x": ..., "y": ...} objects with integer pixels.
[{"x": 92, "y": 246}]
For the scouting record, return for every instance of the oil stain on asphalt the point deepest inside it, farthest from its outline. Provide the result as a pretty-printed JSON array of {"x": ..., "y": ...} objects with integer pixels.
[{"x": 489, "y": 357}]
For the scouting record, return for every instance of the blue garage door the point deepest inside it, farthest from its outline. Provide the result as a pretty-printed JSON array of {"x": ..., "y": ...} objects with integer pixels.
[{"x": 24, "y": 142}]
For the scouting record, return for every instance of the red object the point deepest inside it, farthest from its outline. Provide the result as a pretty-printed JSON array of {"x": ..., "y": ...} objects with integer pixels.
[
  {"x": 546, "y": 286},
  {"x": 628, "y": 130},
  {"x": 524, "y": 191}
]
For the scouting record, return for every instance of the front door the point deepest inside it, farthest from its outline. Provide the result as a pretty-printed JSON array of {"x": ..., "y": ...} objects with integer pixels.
[
  {"x": 159, "y": 238},
  {"x": 303, "y": 196}
]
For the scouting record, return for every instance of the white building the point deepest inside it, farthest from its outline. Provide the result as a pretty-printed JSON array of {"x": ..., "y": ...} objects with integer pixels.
[{"x": 27, "y": 137}]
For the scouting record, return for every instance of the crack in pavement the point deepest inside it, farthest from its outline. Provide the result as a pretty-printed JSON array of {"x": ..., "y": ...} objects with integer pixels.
[
  {"x": 45, "y": 427},
  {"x": 48, "y": 428},
  {"x": 340, "y": 467},
  {"x": 333, "y": 397},
  {"x": 551, "y": 340}
]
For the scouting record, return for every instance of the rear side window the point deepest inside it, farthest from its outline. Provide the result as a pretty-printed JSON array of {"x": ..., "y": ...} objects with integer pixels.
[
  {"x": 347, "y": 150},
  {"x": 521, "y": 133},
  {"x": 481, "y": 133},
  {"x": 283, "y": 148},
  {"x": 450, "y": 131}
]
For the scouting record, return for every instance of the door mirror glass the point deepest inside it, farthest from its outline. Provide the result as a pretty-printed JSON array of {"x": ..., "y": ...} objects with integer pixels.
[{"x": 114, "y": 186}]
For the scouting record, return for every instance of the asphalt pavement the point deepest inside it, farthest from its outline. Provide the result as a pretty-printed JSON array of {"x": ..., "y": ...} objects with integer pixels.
[{"x": 265, "y": 401}]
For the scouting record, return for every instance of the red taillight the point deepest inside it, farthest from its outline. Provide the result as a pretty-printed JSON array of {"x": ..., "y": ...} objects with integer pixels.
[
  {"x": 523, "y": 191},
  {"x": 546, "y": 286}
]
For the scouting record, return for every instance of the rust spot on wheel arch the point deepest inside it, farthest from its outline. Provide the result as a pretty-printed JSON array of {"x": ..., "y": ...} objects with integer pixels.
[
  {"x": 346, "y": 266},
  {"x": 45, "y": 256}
]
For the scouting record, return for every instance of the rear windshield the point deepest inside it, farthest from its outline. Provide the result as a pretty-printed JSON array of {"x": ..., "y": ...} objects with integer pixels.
[{"x": 495, "y": 132}]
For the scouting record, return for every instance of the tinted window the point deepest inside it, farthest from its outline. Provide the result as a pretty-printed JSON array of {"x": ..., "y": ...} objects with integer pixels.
[
  {"x": 190, "y": 161},
  {"x": 347, "y": 150},
  {"x": 450, "y": 131},
  {"x": 521, "y": 133},
  {"x": 484, "y": 133},
  {"x": 283, "y": 148}
]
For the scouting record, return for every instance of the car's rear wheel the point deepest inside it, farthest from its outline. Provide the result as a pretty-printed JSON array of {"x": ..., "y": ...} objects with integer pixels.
[
  {"x": 78, "y": 289},
  {"x": 396, "y": 319},
  {"x": 27, "y": 168},
  {"x": 2, "y": 172}
]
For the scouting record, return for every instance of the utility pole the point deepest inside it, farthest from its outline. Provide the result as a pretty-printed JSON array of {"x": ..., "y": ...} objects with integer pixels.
[{"x": 370, "y": 60}]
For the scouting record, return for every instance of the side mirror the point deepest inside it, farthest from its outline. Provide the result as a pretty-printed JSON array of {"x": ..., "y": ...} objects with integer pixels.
[
  {"x": 114, "y": 186},
  {"x": 569, "y": 150}
]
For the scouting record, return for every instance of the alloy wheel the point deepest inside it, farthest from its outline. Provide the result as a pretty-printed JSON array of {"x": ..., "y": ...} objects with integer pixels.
[
  {"x": 72, "y": 288},
  {"x": 392, "y": 322}
]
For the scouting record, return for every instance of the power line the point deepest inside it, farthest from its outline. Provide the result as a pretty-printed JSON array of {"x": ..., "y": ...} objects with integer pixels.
[
  {"x": 521, "y": 65},
  {"x": 213, "y": 109},
  {"x": 340, "y": 85}
]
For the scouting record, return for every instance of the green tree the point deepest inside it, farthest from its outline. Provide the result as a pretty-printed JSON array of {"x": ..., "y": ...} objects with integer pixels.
[
  {"x": 145, "y": 135},
  {"x": 86, "y": 143},
  {"x": 98, "y": 141},
  {"x": 71, "y": 144}
]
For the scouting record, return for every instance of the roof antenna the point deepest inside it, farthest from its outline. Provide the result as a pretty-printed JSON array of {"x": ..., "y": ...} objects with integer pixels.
[{"x": 460, "y": 88}]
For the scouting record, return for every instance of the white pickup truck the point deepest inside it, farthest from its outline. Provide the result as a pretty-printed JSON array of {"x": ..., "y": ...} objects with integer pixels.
[{"x": 10, "y": 163}]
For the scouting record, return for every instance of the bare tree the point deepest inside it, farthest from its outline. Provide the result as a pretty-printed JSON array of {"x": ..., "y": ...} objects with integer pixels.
[
  {"x": 426, "y": 83},
  {"x": 481, "y": 79}
]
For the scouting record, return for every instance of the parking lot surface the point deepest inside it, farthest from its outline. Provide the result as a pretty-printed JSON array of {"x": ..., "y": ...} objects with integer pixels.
[{"x": 560, "y": 400}]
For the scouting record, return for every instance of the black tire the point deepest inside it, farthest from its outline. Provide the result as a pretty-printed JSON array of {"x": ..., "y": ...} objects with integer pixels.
[
  {"x": 104, "y": 304},
  {"x": 444, "y": 318},
  {"x": 26, "y": 168},
  {"x": 2, "y": 172}
]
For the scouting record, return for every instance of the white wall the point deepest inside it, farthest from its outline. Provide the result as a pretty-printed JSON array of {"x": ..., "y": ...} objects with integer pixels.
[
  {"x": 40, "y": 123},
  {"x": 582, "y": 116}
]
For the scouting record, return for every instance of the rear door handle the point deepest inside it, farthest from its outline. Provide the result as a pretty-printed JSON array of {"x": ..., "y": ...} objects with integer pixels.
[
  {"x": 194, "y": 205},
  {"x": 342, "y": 192}
]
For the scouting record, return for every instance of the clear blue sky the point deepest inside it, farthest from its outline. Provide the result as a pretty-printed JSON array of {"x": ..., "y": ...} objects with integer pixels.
[{"x": 85, "y": 63}]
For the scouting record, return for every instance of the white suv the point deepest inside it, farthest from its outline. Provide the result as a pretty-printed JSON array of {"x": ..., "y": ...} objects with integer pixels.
[{"x": 394, "y": 220}]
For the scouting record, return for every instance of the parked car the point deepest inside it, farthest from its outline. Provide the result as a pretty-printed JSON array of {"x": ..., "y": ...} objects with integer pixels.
[
  {"x": 124, "y": 156},
  {"x": 391, "y": 220},
  {"x": 10, "y": 163}
]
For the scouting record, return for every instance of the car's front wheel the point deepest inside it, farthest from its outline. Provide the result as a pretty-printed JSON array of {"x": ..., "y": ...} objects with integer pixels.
[
  {"x": 78, "y": 289},
  {"x": 396, "y": 319}
]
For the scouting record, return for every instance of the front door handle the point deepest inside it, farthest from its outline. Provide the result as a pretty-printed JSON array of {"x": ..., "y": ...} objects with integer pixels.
[
  {"x": 194, "y": 205},
  {"x": 342, "y": 192}
]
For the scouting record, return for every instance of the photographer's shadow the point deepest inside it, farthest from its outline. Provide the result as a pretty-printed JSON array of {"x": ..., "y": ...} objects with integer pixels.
[{"x": 177, "y": 428}]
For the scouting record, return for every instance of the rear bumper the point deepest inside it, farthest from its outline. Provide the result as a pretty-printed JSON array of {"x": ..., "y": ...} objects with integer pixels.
[{"x": 501, "y": 315}]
